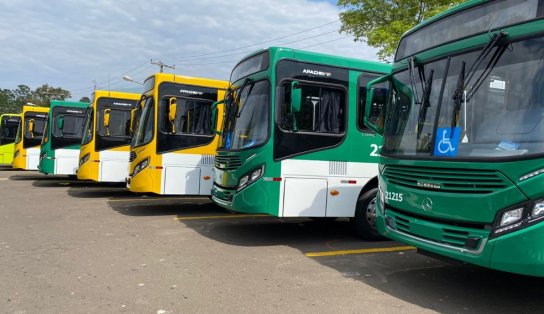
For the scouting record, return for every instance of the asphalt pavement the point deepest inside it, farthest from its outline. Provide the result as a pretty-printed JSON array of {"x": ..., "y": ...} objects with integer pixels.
[{"x": 79, "y": 247}]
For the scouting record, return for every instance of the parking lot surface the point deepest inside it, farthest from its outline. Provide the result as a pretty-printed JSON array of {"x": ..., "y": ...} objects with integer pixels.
[{"x": 80, "y": 247}]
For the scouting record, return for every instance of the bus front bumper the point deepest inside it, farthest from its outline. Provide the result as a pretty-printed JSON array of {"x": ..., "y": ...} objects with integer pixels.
[
  {"x": 251, "y": 200},
  {"x": 518, "y": 252}
]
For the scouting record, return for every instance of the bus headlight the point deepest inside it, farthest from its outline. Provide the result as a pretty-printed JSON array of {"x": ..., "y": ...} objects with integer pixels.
[
  {"x": 250, "y": 177},
  {"x": 538, "y": 209},
  {"x": 140, "y": 166},
  {"x": 511, "y": 216},
  {"x": 84, "y": 159},
  {"x": 16, "y": 154},
  {"x": 510, "y": 220}
]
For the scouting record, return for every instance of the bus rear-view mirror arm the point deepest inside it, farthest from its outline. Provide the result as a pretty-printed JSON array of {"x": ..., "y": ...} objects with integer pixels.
[
  {"x": 213, "y": 116},
  {"x": 370, "y": 102}
]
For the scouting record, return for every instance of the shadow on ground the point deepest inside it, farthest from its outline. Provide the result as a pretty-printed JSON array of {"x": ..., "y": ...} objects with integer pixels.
[
  {"x": 417, "y": 279},
  {"x": 88, "y": 189},
  {"x": 151, "y": 205}
]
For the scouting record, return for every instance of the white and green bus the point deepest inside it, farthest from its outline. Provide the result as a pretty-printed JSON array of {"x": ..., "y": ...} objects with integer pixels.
[
  {"x": 294, "y": 143},
  {"x": 462, "y": 163}
]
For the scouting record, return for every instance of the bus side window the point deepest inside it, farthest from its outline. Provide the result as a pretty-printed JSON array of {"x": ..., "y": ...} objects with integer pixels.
[
  {"x": 319, "y": 124},
  {"x": 322, "y": 110}
]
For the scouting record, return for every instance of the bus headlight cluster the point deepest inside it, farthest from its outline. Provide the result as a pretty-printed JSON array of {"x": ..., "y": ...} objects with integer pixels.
[
  {"x": 84, "y": 159},
  {"x": 140, "y": 166},
  {"x": 519, "y": 217},
  {"x": 538, "y": 210},
  {"x": 16, "y": 154},
  {"x": 250, "y": 177}
]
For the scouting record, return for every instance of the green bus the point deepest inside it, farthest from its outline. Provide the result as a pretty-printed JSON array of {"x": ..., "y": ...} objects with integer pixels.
[
  {"x": 59, "y": 151},
  {"x": 9, "y": 122},
  {"x": 287, "y": 145},
  {"x": 462, "y": 162}
]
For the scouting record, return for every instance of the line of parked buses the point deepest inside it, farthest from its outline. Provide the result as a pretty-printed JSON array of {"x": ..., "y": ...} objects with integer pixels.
[{"x": 442, "y": 150}]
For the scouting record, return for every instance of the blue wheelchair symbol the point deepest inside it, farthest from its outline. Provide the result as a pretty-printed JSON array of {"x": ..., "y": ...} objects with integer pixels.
[{"x": 446, "y": 144}]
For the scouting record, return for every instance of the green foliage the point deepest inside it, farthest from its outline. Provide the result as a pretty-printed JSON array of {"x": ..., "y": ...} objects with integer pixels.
[
  {"x": 381, "y": 23},
  {"x": 85, "y": 99},
  {"x": 12, "y": 101}
]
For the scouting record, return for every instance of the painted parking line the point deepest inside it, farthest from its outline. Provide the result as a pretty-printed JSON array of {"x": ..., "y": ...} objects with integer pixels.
[
  {"x": 361, "y": 251},
  {"x": 219, "y": 217},
  {"x": 146, "y": 199}
]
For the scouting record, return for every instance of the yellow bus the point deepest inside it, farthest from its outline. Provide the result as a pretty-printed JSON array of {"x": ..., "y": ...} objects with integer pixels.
[
  {"x": 26, "y": 153},
  {"x": 104, "y": 152},
  {"x": 9, "y": 122},
  {"x": 174, "y": 141}
]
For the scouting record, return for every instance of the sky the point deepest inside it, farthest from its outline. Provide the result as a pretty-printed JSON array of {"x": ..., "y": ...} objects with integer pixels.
[{"x": 75, "y": 44}]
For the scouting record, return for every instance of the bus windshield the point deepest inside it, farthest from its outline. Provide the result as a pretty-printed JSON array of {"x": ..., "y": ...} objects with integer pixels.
[
  {"x": 143, "y": 129},
  {"x": 494, "y": 109},
  {"x": 70, "y": 128},
  {"x": 246, "y": 121},
  {"x": 88, "y": 127},
  {"x": 8, "y": 132}
]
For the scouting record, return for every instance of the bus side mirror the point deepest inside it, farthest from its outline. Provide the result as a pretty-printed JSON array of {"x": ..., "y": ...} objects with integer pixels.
[
  {"x": 213, "y": 125},
  {"x": 132, "y": 117},
  {"x": 107, "y": 113},
  {"x": 372, "y": 101},
  {"x": 172, "y": 109},
  {"x": 296, "y": 97},
  {"x": 31, "y": 127},
  {"x": 60, "y": 122},
  {"x": 106, "y": 121}
]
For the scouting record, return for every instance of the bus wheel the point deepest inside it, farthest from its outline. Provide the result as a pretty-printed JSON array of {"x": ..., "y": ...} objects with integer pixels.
[{"x": 364, "y": 221}]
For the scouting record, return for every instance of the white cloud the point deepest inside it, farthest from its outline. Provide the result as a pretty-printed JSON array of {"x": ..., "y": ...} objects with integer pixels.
[{"x": 71, "y": 43}]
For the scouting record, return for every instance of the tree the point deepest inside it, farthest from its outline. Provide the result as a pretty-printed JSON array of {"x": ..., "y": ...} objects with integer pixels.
[
  {"x": 12, "y": 101},
  {"x": 7, "y": 101},
  {"x": 85, "y": 99},
  {"x": 43, "y": 95},
  {"x": 381, "y": 23}
]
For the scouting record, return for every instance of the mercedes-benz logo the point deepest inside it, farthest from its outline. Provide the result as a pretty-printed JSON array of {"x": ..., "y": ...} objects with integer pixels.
[{"x": 427, "y": 204}]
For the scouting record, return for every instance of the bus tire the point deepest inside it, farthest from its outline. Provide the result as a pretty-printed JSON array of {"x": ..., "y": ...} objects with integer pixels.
[{"x": 364, "y": 221}]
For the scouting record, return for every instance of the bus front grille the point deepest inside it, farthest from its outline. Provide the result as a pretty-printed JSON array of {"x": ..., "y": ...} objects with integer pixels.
[
  {"x": 227, "y": 162},
  {"x": 446, "y": 179},
  {"x": 466, "y": 236}
]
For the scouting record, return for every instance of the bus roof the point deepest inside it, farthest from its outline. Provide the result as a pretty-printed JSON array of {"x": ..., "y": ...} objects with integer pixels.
[
  {"x": 10, "y": 115},
  {"x": 35, "y": 108},
  {"x": 176, "y": 78},
  {"x": 467, "y": 20},
  {"x": 115, "y": 94},
  {"x": 339, "y": 61},
  {"x": 444, "y": 14},
  {"x": 66, "y": 103}
]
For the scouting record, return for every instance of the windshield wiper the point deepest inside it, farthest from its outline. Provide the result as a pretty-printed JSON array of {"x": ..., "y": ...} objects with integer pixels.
[
  {"x": 425, "y": 104},
  {"x": 458, "y": 97},
  {"x": 411, "y": 66},
  {"x": 464, "y": 79},
  {"x": 501, "y": 48},
  {"x": 247, "y": 82}
]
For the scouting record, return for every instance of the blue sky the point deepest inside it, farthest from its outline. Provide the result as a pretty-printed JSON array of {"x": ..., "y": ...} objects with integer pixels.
[{"x": 70, "y": 44}]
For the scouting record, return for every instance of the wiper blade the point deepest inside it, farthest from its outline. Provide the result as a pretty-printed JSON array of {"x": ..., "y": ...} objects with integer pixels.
[
  {"x": 458, "y": 97},
  {"x": 495, "y": 41},
  {"x": 425, "y": 104},
  {"x": 247, "y": 82},
  {"x": 411, "y": 66}
]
